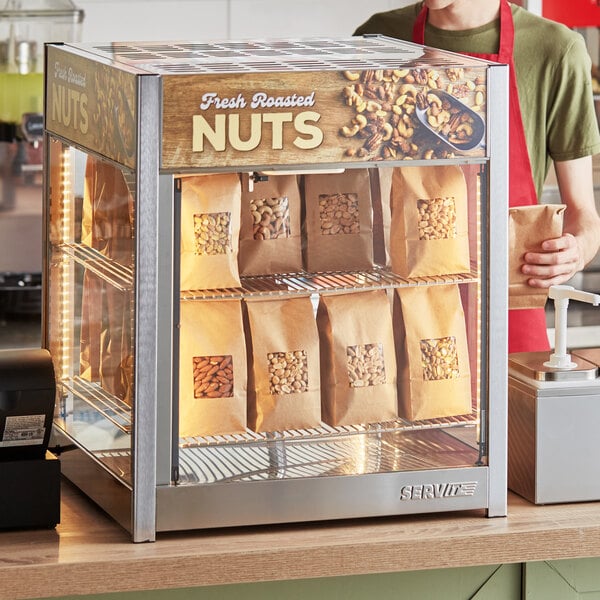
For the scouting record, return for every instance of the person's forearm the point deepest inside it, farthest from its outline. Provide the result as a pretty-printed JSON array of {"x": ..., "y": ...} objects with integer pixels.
[{"x": 575, "y": 181}]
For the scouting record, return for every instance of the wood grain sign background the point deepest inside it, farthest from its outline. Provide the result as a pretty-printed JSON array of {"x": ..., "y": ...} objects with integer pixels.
[
  {"x": 300, "y": 118},
  {"x": 93, "y": 104}
]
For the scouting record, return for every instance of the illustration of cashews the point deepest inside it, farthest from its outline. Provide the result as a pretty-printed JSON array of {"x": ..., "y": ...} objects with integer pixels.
[
  {"x": 408, "y": 88},
  {"x": 434, "y": 99},
  {"x": 349, "y": 131},
  {"x": 388, "y": 131},
  {"x": 351, "y": 75},
  {"x": 466, "y": 128},
  {"x": 360, "y": 120}
]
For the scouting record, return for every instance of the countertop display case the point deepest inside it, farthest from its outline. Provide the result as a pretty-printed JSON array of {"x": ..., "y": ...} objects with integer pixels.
[{"x": 276, "y": 279}]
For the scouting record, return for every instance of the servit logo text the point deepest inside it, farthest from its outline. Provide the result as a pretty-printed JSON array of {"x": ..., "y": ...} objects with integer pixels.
[{"x": 433, "y": 491}]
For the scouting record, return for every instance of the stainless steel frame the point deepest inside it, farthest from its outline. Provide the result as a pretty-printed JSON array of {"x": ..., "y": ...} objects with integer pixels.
[{"x": 497, "y": 324}]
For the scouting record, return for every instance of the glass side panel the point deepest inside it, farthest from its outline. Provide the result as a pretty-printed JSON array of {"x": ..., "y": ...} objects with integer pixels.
[
  {"x": 91, "y": 302},
  {"x": 330, "y": 323}
]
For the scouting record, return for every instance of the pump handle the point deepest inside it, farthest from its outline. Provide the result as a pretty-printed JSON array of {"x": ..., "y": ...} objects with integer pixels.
[{"x": 560, "y": 292}]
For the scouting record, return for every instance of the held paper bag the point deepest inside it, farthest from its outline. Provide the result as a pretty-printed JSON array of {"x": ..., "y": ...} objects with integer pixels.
[
  {"x": 429, "y": 227},
  {"x": 212, "y": 368},
  {"x": 283, "y": 375},
  {"x": 270, "y": 234},
  {"x": 210, "y": 228},
  {"x": 338, "y": 221},
  {"x": 431, "y": 351},
  {"x": 528, "y": 227},
  {"x": 358, "y": 364}
]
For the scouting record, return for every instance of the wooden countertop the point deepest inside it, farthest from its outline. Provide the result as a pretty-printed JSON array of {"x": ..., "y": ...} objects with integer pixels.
[{"x": 88, "y": 553}]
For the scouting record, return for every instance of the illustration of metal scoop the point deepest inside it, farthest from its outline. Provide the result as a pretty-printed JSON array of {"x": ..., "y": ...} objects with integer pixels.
[{"x": 450, "y": 120}]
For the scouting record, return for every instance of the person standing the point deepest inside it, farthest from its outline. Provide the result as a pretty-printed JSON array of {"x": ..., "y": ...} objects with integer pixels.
[{"x": 551, "y": 119}]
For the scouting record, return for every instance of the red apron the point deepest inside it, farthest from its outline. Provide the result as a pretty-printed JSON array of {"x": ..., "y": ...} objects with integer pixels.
[{"x": 526, "y": 327}]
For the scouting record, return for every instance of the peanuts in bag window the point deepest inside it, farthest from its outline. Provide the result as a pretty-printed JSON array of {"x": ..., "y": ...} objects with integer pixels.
[
  {"x": 434, "y": 377},
  {"x": 283, "y": 373},
  {"x": 429, "y": 221},
  {"x": 210, "y": 227},
  {"x": 212, "y": 233},
  {"x": 358, "y": 365}
]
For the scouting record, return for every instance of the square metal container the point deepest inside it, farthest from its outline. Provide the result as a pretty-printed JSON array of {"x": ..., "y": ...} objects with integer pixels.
[{"x": 553, "y": 443}]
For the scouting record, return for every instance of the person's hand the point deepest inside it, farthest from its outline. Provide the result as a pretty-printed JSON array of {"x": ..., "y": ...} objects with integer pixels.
[{"x": 559, "y": 260}]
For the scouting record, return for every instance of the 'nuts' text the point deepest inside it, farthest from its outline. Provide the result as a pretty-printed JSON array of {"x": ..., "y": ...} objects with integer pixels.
[{"x": 227, "y": 130}]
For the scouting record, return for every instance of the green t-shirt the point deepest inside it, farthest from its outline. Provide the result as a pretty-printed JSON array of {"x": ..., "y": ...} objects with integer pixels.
[{"x": 553, "y": 71}]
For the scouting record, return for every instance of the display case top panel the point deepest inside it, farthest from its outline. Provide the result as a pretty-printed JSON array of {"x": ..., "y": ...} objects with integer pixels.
[
  {"x": 312, "y": 54},
  {"x": 254, "y": 105}
]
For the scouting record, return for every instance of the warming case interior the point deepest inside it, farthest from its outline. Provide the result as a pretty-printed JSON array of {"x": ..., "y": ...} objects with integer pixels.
[{"x": 275, "y": 279}]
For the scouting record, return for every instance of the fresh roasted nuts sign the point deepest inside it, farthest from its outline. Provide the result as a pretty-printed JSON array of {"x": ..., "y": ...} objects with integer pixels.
[{"x": 330, "y": 116}]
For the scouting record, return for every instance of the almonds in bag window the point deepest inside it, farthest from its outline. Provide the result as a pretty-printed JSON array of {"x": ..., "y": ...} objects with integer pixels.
[
  {"x": 434, "y": 377},
  {"x": 358, "y": 365},
  {"x": 283, "y": 375},
  {"x": 212, "y": 368}
]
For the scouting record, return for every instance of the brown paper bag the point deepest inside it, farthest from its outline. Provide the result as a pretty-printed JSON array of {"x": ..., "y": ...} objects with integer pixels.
[
  {"x": 431, "y": 351},
  {"x": 338, "y": 221},
  {"x": 210, "y": 228},
  {"x": 270, "y": 234},
  {"x": 528, "y": 227},
  {"x": 429, "y": 229},
  {"x": 212, "y": 368},
  {"x": 381, "y": 192},
  {"x": 283, "y": 375},
  {"x": 107, "y": 212},
  {"x": 358, "y": 364},
  {"x": 107, "y": 313}
]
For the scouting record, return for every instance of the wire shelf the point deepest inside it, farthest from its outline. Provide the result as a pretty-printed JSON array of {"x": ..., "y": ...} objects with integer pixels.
[
  {"x": 120, "y": 414},
  {"x": 305, "y": 283},
  {"x": 340, "y": 454},
  {"x": 111, "y": 271},
  {"x": 106, "y": 405}
]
